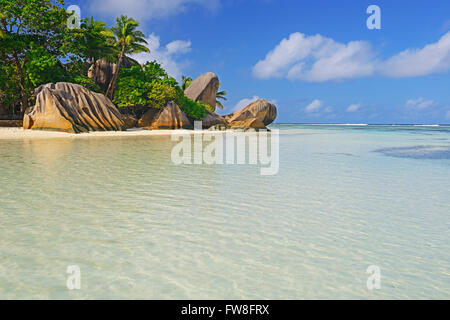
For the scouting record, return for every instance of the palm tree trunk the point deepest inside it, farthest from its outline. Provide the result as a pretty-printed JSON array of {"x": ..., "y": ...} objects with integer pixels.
[{"x": 112, "y": 84}]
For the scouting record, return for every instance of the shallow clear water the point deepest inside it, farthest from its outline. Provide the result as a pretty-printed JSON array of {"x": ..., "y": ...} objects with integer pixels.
[{"x": 139, "y": 226}]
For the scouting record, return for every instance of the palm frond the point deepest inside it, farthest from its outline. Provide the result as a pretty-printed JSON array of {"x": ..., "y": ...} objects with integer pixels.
[{"x": 219, "y": 104}]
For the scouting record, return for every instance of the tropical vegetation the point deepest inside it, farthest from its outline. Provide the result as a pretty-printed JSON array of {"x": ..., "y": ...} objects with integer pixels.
[
  {"x": 37, "y": 46},
  {"x": 221, "y": 95}
]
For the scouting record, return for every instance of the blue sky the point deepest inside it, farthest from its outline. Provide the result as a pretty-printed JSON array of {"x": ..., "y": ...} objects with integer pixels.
[{"x": 316, "y": 60}]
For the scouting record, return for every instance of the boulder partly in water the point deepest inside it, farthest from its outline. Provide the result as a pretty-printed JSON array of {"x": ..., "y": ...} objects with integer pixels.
[{"x": 71, "y": 108}]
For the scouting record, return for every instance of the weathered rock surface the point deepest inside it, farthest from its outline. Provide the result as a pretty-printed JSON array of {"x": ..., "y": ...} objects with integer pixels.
[
  {"x": 129, "y": 121},
  {"x": 134, "y": 111},
  {"x": 261, "y": 110},
  {"x": 69, "y": 107},
  {"x": 213, "y": 119},
  {"x": 253, "y": 123},
  {"x": 102, "y": 72},
  {"x": 204, "y": 89},
  {"x": 168, "y": 117}
]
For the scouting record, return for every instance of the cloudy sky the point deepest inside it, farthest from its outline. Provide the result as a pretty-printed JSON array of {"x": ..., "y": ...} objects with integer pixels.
[{"x": 316, "y": 60}]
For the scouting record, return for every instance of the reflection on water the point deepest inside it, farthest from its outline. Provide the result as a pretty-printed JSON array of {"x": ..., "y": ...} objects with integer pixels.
[{"x": 139, "y": 226}]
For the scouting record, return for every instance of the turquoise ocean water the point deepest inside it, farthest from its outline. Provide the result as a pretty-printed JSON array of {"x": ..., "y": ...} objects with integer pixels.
[{"x": 139, "y": 226}]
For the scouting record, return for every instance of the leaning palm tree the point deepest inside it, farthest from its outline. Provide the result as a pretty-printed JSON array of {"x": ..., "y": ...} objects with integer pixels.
[
  {"x": 220, "y": 95},
  {"x": 127, "y": 40},
  {"x": 185, "y": 82}
]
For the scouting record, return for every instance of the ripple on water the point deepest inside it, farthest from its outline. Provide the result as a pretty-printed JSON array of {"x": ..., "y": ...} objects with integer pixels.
[{"x": 417, "y": 152}]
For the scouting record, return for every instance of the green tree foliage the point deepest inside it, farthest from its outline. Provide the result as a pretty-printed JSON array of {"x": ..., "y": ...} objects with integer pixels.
[
  {"x": 191, "y": 108},
  {"x": 221, "y": 95},
  {"x": 91, "y": 42},
  {"x": 41, "y": 67},
  {"x": 185, "y": 82},
  {"x": 37, "y": 47},
  {"x": 9, "y": 94},
  {"x": 96, "y": 39},
  {"x": 27, "y": 22},
  {"x": 84, "y": 81},
  {"x": 133, "y": 87},
  {"x": 150, "y": 85},
  {"x": 127, "y": 40},
  {"x": 160, "y": 94}
]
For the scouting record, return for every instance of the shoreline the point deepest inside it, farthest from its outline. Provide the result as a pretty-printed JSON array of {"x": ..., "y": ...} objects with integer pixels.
[{"x": 12, "y": 133}]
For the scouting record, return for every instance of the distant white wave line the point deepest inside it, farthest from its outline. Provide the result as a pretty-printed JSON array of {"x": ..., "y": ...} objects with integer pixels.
[
  {"x": 336, "y": 124},
  {"x": 426, "y": 125}
]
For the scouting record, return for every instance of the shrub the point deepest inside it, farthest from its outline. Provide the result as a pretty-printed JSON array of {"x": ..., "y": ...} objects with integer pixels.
[
  {"x": 132, "y": 88},
  {"x": 193, "y": 109},
  {"x": 160, "y": 94},
  {"x": 150, "y": 85}
]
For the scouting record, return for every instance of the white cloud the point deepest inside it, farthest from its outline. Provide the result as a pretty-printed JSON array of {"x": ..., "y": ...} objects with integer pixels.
[
  {"x": 167, "y": 56},
  {"x": 316, "y": 59},
  {"x": 420, "y": 104},
  {"x": 178, "y": 46},
  {"x": 353, "y": 107},
  {"x": 314, "y": 106},
  {"x": 328, "y": 110},
  {"x": 433, "y": 58},
  {"x": 148, "y": 9}
]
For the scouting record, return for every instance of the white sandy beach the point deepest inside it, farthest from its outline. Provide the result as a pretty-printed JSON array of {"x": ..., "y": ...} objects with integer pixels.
[{"x": 20, "y": 133}]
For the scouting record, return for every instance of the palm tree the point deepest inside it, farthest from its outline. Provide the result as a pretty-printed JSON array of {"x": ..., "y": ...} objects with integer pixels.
[
  {"x": 127, "y": 40},
  {"x": 96, "y": 40},
  {"x": 220, "y": 95},
  {"x": 185, "y": 82}
]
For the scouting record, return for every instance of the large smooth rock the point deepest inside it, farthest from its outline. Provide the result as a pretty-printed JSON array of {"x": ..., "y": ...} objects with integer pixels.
[
  {"x": 263, "y": 110},
  {"x": 69, "y": 107},
  {"x": 129, "y": 121},
  {"x": 213, "y": 119},
  {"x": 253, "y": 123},
  {"x": 168, "y": 117},
  {"x": 102, "y": 72},
  {"x": 204, "y": 89}
]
